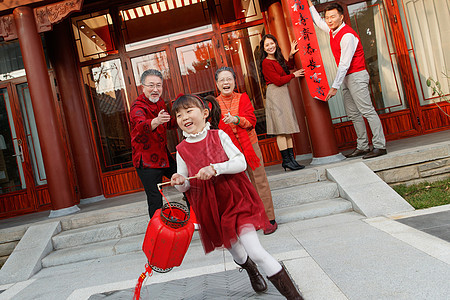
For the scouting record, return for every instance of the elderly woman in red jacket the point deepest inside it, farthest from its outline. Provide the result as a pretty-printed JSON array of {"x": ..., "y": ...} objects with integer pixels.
[
  {"x": 239, "y": 120},
  {"x": 149, "y": 121}
]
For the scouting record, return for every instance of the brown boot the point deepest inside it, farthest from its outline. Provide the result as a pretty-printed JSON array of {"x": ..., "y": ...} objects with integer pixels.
[
  {"x": 285, "y": 286},
  {"x": 256, "y": 279}
]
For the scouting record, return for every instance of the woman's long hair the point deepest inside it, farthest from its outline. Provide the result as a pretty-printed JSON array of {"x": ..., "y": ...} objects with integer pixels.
[
  {"x": 209, "y": 102},
  {"x": 263, "y": 54}
]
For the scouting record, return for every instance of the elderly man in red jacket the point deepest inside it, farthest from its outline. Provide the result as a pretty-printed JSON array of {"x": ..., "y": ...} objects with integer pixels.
[
  {"x": 149, "y": 121},
  {"x": 352, "y": 75}
]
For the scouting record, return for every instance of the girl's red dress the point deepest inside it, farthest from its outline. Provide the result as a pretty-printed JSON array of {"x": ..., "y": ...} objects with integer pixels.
[{"x": 226, "y": 205}]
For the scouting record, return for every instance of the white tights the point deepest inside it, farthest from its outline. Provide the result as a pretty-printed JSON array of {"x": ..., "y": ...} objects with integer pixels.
[{"x": 248, "y": 245}]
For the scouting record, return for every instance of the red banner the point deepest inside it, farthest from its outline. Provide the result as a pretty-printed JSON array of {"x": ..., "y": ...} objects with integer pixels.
[{"x": 308, "y": 46}]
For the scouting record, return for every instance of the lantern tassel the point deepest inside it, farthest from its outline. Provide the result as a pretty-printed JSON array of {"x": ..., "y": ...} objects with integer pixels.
[{"x": 137, "y": 289}]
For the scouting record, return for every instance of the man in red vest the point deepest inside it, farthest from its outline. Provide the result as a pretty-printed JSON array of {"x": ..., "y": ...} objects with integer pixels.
[{"x": 352, "y": 75}]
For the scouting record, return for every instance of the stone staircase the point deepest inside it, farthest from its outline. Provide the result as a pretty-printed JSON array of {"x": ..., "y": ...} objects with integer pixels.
[
  {"x": 120, "y": 229},
  {"x": 107, "y": 232},
  {"x": 305, "y": 194}
]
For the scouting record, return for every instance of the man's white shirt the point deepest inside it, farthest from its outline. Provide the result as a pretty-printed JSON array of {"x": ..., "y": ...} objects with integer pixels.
[{"x": 348, "y": 44}]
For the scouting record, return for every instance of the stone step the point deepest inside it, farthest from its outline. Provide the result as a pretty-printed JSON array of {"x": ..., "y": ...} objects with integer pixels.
[
  {"x": 92, "y": 251},
  {"x": 134, "y": 243},
  {"x": 121, "y": 229},
  {"x": 99, "y": 250},
  {"x": 101, "y": 232},
  {"x": 288, "y": 179},
  {"x": 110, "y": 214},
  {"x": 306, "y": 193},
  {"x": 116, "y": 213},
  {"x": 130, "y": 226},
  {"x": 313, "y": 210}
]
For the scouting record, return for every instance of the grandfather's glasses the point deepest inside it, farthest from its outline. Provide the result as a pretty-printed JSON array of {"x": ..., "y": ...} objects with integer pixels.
[
  {"x": 228, "y": 79},
  {"x": 152, "y": 86}
]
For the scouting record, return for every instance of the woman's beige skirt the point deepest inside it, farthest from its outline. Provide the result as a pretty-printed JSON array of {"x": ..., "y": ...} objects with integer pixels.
[{"x": 280, "y": 114}]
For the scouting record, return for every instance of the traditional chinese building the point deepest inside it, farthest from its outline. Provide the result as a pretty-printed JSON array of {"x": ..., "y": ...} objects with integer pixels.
[{"x": 69, "y": 71}]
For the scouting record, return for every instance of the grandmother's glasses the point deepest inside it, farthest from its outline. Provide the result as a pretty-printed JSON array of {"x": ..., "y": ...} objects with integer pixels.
[{"x": 228, "y": 79}]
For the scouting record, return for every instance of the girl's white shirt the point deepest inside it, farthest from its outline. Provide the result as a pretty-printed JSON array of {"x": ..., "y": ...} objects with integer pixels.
[{"x": 235, "y": 164}]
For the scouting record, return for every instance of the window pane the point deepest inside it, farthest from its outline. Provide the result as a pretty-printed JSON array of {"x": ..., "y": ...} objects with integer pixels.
[
  {"x": 11, "y": 62},
  {"x": 107, "y": 99},
  {"x": 197, "y": 65},
  {"x": 158, "y": 61},
  {"x": 34, "y": 145},
  {"x": 11, "y": 170}
]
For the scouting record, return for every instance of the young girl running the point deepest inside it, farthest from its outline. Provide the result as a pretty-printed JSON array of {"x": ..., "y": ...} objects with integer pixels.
[{"x": 226, "y": 204}]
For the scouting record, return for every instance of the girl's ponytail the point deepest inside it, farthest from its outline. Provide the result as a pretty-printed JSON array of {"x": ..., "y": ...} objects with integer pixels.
[{"x": 215, "y": 112}]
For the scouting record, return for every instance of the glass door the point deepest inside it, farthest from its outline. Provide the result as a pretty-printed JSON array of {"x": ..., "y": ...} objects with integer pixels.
[
  {"x": 370, "y": 20},
  {"x": 21, "y": 165},
  {"x": 108, "y": 105},
  {"x": 11, "y": 149}
]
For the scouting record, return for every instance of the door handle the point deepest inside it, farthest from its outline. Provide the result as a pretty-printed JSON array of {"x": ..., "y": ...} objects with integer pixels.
[{"x": 19, "y": 141}]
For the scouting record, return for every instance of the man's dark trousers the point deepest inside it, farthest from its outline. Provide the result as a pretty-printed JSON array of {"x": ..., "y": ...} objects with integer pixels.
[{"x": 150, "y": 178}]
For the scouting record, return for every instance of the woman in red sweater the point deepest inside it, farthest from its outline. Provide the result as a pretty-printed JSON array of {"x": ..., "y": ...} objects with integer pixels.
[{"x": 280, "y": 115}]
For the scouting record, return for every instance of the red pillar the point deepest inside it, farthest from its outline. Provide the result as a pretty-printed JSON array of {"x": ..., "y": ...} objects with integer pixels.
[
  {"x": 63, "y": 57},
  {"x": 60, "y": 187},
  {"x": 321, "y": 131},
  {"x": 278, "y": 29}
]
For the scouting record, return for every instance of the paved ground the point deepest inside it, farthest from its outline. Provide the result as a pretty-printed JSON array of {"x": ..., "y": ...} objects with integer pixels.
[
  {"x": 222, "y": 285},
  {"x": 437, "y": 224}
]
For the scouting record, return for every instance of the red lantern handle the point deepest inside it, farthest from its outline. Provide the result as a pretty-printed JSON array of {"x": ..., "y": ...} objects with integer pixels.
[{"x": 159, "y": 185}]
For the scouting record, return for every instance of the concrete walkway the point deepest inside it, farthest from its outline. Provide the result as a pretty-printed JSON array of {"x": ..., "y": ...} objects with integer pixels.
[{"x": 343, "y": 256}]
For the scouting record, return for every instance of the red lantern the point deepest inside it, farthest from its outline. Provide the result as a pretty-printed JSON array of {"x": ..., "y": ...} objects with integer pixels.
[
  {"x": 166, "y": 240},
  {"x": 168, "y": 236}
]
